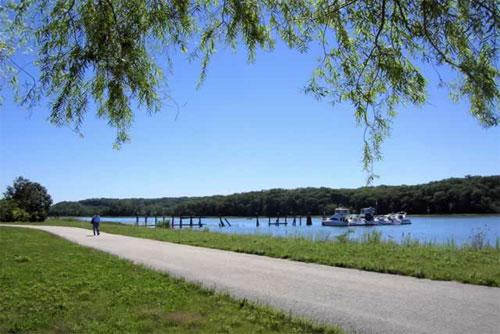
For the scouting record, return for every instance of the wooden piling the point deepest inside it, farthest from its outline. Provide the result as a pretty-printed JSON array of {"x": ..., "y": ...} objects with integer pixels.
[{"x": 309, "y": 221}]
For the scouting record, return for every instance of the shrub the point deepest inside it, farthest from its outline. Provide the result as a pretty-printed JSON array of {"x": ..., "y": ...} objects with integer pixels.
[{"x": 10, "y": 212}]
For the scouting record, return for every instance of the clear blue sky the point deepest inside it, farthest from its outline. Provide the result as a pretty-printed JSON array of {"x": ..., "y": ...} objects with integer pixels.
[{"x": 249, "y": 127}]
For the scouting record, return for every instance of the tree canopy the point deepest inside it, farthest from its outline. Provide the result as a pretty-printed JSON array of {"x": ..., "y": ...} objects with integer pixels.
[
  {"x": 472, "y": 194},
  {"x": 25, "y": 200},
  {"x": 112, "y": 52}
]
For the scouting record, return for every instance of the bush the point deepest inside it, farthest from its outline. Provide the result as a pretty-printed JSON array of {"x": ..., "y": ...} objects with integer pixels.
[{"x": 10, "y": 212}]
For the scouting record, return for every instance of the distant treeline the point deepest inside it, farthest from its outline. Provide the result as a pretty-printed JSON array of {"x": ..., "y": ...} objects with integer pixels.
[{"x": 472, "y": 194}]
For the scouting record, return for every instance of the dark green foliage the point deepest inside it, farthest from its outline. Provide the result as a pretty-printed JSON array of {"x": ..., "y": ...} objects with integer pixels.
[
  {"x": 118, "y": 207},
  {"x": 26, "y": 200},
  {"x": 472, "y": 194},
  {"x": 10, "y": 212},
  {"x": 49, "y": 285}
]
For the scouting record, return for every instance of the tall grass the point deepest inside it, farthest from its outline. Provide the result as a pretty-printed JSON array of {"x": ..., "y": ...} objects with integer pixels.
[
  {"x": 163, "y": 224},
  {"x": 372, "y": 237}
]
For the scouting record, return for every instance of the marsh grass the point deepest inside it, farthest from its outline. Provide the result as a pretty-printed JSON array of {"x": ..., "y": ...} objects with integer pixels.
[
  {"x": 373, "y": 237},
  {"x": 344, "y": 237},
  {"x": 163, "y": 224},
  {"x": 50, "y": 285},
  {"x": 466, "y": 263}
]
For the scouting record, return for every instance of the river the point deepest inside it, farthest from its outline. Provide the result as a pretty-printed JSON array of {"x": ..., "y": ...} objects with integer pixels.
[{"x": 435, "y": 229}]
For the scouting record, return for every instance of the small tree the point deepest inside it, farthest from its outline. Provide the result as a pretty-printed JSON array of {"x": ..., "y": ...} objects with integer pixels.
[{"x": 27, "y": 196}]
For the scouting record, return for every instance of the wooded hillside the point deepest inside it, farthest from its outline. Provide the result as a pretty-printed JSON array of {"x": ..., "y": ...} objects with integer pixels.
[{"x": 471, "y": 194}]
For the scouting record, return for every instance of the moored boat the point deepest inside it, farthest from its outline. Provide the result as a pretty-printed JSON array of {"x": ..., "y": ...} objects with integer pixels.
[
  {"x": 398, "y": 218},
  {"x": 367, "y": 217},
  {"x": 339, "y": 218}
]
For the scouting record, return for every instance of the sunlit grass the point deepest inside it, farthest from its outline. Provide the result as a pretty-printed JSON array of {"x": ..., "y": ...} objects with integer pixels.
[
  {"x": 49, "y": 285},
  {"x": 468, "y": 263}
]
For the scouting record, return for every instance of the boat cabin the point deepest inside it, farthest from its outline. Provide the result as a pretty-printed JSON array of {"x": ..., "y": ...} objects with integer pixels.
[
  {"x": 369, "y": 210},
  {"x": 342, "y": 211}
]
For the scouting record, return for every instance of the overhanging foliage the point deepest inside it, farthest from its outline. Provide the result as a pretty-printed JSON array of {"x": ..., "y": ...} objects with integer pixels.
[{"x": 106, "y": 51}]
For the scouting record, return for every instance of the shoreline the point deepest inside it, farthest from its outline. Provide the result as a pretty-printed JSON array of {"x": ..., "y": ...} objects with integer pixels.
[{"x": 312, "y": 216}]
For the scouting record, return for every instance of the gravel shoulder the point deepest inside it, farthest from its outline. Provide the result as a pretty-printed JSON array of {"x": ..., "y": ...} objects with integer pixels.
[{"x": 359, "y": 301}]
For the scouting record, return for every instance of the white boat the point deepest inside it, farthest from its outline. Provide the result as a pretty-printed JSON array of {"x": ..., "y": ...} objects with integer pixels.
[
  {"x": 384, "y": 220},
  {"x": 355, "y": 220},
  {"x": 393, "y": 219},
  {"x": 368, "y": 216},
  {"x": 339, "y": 218},
  {"x": 400, "y": 218}
]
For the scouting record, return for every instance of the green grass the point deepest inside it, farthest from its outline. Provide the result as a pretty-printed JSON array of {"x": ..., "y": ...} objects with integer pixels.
[
  {"x": 441, "y": 262},
  {"x": 49, "y": 285}
]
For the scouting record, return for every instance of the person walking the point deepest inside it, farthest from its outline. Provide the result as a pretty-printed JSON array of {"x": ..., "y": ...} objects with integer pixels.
[{"x": 96, "y": 221}]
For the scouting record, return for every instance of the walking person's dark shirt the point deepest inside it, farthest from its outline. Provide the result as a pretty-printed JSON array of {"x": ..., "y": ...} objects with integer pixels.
[{"x": 96, "y": 221}]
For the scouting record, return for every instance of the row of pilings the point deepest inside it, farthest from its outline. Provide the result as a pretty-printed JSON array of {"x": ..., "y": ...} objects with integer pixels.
[{"x": 196, "y": 221}]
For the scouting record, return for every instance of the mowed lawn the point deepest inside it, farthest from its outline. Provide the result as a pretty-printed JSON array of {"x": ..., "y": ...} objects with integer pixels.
[
  {"x": 50, "y": 285},
  {"x": 464, "y": 264}
]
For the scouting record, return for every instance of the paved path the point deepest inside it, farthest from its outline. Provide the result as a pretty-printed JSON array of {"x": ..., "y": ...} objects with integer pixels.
[{"x": 360, "y": 301}]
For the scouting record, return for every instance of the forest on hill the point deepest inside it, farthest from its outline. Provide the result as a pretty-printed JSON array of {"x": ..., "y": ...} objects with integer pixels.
[{"x": 471, "y": 194}]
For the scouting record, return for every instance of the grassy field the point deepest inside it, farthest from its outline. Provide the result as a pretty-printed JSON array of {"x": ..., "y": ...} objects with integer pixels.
[
  {"x": 442, "y": 262},
  {"x": 49, "y": 285}
]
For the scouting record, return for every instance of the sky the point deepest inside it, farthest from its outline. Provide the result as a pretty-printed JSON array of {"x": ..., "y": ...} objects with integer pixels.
[{"x": 248, "y": 127}]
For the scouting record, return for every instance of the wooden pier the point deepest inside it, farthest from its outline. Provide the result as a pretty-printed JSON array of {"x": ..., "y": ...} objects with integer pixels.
[
  {"x": 190, "y": 222},
  {"x": 196, "y": 221},
  {"x": 277, "y": 222}
]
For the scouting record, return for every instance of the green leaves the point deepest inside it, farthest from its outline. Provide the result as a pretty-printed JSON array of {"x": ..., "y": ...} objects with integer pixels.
[
  {"x": 376, "y": 45},
  {"x": 104, "y": 51}
]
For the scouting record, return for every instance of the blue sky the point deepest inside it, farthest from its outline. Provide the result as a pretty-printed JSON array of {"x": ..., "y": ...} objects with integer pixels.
[{"x": 249, "y": 127}]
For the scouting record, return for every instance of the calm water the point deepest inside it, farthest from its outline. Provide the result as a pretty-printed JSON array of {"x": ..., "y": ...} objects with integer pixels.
[{"x": 438, "y": 229}]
